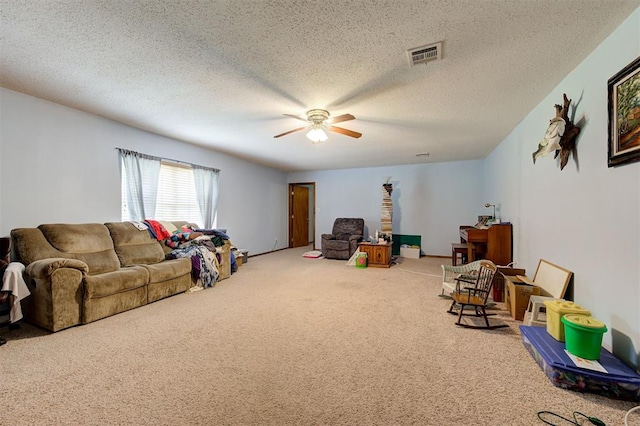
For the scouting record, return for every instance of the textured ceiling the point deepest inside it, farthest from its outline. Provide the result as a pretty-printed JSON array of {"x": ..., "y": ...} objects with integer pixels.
[{"x": 221, "y": 73}]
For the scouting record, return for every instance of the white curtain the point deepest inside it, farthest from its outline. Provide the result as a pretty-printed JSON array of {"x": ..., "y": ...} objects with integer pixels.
[
  {"x": 206, "y": 182},
  {"x": 142, "y": 172}
]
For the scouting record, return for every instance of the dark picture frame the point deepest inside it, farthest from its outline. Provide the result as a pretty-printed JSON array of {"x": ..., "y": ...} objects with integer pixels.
[{"x": 624, "y": 115}]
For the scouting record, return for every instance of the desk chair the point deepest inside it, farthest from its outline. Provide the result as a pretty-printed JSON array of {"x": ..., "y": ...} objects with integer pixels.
[{"x": 462, "y": 250}]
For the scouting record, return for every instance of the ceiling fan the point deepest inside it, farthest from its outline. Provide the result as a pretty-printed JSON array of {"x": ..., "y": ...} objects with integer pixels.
[{"x": 318, "y": 122}]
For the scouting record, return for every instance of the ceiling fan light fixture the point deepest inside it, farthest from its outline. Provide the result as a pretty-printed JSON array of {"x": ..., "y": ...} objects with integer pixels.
[
  {"x": 316, "y": 134},
  {"x": 317, "y": 115},
  {"x": 319, "y": 124}
]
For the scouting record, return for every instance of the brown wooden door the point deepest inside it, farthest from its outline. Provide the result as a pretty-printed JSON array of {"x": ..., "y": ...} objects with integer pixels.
[{"x": 299, "y": 216}]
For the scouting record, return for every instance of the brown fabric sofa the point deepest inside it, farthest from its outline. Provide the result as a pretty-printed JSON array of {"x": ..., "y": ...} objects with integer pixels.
[
  {"x": 79, "y": 273},
  {"x": 136, "y": 247}
]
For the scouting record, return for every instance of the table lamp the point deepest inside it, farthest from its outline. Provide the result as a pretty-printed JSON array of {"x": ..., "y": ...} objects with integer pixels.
[{"x": 487, "y": 205}]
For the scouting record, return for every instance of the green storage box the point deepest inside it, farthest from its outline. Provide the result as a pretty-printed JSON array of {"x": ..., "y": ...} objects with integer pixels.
[{"x": 400, "y": 239}]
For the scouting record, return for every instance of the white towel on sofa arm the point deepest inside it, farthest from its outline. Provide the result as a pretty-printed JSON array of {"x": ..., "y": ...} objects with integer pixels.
[{"x": 13, "y": 283}]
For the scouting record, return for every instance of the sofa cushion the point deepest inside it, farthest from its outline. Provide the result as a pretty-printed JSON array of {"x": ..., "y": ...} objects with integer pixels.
[
  {"x": 180, "y": 223},
  {"x": 343, "y": 236},
  {"x": 336, "y": 244},
  {"x": 30, "y": 245},
  {"x": 168, "y": 270},
  {"x": 119, "y": 281},
  {"x": 89, "y": 242},
  {"x": 134, "y": 246},
  {"x": 348, "y": 225},
  {"x": 169, "y": 226}
]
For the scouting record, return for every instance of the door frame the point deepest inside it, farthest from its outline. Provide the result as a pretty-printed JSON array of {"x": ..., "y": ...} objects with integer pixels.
[{"x": 312, "y": 210}]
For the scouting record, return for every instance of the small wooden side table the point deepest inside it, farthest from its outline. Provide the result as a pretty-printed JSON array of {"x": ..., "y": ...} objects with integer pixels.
[{"x": 378, "y": 255}]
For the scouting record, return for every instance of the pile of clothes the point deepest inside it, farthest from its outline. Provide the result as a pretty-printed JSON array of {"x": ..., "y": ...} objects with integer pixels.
[{"x": 198, "y": 245}]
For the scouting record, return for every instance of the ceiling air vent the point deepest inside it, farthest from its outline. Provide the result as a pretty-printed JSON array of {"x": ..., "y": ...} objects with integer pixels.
[{"x": 424, "y": 54}]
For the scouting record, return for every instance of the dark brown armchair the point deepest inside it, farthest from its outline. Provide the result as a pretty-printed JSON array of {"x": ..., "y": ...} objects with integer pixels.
[{"x": 344, "y": 238}]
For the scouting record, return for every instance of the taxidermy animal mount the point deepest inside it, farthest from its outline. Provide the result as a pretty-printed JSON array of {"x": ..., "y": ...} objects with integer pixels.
[{"x": 560, "y": 136}]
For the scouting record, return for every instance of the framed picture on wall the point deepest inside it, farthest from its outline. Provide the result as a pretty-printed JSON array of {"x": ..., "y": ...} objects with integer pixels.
[{"x": 624, "y": 115}]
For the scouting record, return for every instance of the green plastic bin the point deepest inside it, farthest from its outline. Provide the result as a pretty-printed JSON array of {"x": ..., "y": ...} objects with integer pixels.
[
  {"x": 361, "y": 260},
  {"x": 583, "y": 335}
]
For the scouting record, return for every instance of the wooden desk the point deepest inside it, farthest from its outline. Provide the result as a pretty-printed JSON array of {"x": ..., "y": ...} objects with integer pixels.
[
  {"x": 378, "y": 255},
  {"x": 495, "y": 241}
]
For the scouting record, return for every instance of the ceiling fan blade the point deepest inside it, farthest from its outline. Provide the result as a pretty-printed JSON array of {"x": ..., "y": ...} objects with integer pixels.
[
  {"x": 296, "y": 117},
  {"x": 340, "y": 118},
  {"x": 290, "y": 131},
  {"x": 345, "y": 131}
]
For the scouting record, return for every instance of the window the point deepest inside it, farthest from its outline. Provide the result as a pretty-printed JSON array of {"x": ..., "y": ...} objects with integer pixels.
[
  {"x": 177, "y": 194},
  {"x": 161, "y": 189},
  {"x": 176, "y": 198}
]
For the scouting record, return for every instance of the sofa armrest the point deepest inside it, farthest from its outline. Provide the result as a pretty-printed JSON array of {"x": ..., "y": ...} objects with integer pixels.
[
  {"x": 355, "y": 237},
  {"x": 56, "y": 286},
  {"x": 44, "y": 268},
  {"x": 328, "y": 237}
]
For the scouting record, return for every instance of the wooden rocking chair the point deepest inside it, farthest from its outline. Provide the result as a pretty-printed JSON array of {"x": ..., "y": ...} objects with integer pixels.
[{"x": 474, "y": 294}]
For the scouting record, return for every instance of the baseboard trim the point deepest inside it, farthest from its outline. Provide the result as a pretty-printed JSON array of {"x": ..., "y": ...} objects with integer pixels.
[
  {"x": 437, "y": 256},
  {"x": 267, "y": 252}
]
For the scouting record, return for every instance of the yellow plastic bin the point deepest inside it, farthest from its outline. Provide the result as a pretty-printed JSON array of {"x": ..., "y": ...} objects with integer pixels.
[
  {"x": 556, "y": 309},
  {"x": 361, "y": 260},
  {"x": 583, "y": 335}
]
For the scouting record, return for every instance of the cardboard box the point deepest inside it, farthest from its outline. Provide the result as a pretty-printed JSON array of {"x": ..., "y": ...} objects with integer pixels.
[
  {"x": 499, "y": 287},
  {"x": 517, "y": 297},
  {"x": 410, "y": 252},
  {"x": 245, "y": 255},
  {"x": 225, "y": 266}
]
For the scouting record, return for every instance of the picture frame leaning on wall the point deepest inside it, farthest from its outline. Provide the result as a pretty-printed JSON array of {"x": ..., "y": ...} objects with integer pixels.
[{"x": 624, "y": 115}]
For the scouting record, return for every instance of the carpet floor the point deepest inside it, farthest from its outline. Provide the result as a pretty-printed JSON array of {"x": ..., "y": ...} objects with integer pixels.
[{"x": 287, "y": 340}]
